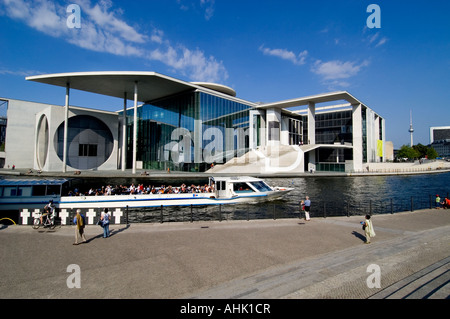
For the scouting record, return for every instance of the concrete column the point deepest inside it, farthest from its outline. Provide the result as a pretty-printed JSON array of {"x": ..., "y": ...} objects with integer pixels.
[
  {"x": 135, "y": 126},
  {"x": 124, "y": 133},
  {"x": 376, "y": 136},
  {"x": 311, "y": 123},
  {"x": 273, "y": 125},
  {"x": 66, "y": 127},
  {"x": 252, "y": 128},
  {"x": 198, "y": 131},
  {"x": 229, "y": 139},
  {"x": 198, "y": 141},
  {"x": 357, "y": 137}
]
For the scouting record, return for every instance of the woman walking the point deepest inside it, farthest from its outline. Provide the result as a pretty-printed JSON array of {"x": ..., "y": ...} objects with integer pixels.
[{"x": 368, "y": 229}]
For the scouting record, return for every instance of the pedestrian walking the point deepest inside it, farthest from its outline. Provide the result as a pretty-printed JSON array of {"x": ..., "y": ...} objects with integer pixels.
[
  {"x": 79, "y": 221},
  {"x": 307, "y": 204},
  {"x": 368, "y": 229},
  {"x": 105, "y": 219},
  {"x": 438, "y": 202}
]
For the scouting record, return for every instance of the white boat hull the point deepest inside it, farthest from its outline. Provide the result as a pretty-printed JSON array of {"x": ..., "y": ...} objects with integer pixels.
[{"x": 158, "y": 200}]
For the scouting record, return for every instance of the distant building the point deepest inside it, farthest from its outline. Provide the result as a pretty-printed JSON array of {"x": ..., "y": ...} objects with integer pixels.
[
  {"x": 440, "y": 140},
  {"x": 438, "y": 133},
  {"x": 442, "y": 147}
]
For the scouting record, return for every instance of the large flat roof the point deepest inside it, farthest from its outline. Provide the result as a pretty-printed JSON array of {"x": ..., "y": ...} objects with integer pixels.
[{"x": 151, "y": 85}]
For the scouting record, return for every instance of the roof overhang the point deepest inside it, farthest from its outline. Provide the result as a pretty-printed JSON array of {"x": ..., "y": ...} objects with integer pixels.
[
  {"x": 319, "y": 98},
  {"x": 151, "y": 85},
  {"x": 311, "y": 147}
]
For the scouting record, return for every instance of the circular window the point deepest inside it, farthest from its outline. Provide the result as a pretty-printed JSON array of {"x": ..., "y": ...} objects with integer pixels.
[{"x": 89, "y": 142}]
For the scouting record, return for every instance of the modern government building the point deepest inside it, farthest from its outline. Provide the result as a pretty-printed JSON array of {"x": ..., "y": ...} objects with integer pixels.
[{"x": 189, "y": 126}]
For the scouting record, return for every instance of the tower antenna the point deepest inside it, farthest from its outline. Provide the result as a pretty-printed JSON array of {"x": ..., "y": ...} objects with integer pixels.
[{"x": 411, "y": 130}]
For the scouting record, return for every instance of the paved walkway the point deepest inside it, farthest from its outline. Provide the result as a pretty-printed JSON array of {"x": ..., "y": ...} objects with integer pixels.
[{"x": 288, "y": 259}]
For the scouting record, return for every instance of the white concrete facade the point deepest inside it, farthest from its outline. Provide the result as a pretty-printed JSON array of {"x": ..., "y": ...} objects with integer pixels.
[
  {"x": 32, "y": 136},
  {"x": 368, "y": 131}
]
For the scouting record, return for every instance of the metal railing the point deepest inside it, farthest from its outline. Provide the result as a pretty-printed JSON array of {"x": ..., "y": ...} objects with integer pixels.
[{"x": 277, "y": 209}]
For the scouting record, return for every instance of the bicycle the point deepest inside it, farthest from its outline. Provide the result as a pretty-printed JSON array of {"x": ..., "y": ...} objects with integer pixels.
[{"x": 48, "y": 221}]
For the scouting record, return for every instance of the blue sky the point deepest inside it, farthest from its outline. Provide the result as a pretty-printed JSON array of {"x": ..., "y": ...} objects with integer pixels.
[{"x": 266, "y": 50}]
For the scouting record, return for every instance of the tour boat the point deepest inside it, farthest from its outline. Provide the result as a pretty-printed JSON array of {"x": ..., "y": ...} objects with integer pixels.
[{"x": 36, "y": 193}]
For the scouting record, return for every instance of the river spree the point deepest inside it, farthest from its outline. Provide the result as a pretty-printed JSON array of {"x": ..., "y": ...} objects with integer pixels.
[{"x": 330, "y": 196}]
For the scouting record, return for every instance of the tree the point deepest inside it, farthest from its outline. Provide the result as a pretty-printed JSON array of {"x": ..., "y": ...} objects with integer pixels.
[
  {"x": 431, "y": 153},
  {"x": 421, "y": 149},
  {"x": 408, "y": 152}
]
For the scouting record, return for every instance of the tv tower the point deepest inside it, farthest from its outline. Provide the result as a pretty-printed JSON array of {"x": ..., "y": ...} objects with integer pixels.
[{"x": 411, "y": 130}]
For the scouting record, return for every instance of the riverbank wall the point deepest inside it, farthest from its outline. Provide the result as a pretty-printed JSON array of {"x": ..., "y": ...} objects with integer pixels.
[{"x": 370, "y": 169}]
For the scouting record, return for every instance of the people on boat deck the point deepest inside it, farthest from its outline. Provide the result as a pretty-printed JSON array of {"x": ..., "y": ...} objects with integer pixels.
[{"x": 141, "y": 189}]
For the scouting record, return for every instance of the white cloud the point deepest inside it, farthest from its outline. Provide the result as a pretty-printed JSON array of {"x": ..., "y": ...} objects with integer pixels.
[
  {"x": 104, "y": 30},
  {"x": 334, "y": 70},
  {"x": 209, "y": 8},
  {"x": 101, "y": 16},
  {"x": 375, "y": 39},
  {"x": 192, "y": 63},
  {"x": 41, "y": 15},
  {"x": 205, "y": 6},
  {"x": 297, "y": 59},
  {"x": 381, "y": 42},
  {"x": 23, "y": 73}
]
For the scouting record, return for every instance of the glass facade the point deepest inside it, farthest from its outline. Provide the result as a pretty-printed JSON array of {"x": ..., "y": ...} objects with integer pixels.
[
  {"x": 189, "y": 132},
  {"x": 295, "y": 132},
  {"x": 333, "y": 128},
  {"x": 364, "y": 133}
]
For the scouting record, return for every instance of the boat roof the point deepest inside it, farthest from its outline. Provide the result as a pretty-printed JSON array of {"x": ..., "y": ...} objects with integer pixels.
[
  {"x": 32, "y": 182},
  {"x": 235, "y": 179}
]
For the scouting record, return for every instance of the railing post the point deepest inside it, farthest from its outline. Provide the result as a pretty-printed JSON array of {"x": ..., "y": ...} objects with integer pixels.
[
  {"x": 126, "y": 214},
  {"x": 161, "y": 215},
  {"x": 412, "y": 203},
  {"x": 324, "y": 210},
  {"x": 220, "y": 212},
  {"x": 192, "y": 215}
]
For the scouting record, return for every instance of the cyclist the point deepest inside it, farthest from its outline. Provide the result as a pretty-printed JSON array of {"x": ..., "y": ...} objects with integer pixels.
[{"x": 49, "y": 210}]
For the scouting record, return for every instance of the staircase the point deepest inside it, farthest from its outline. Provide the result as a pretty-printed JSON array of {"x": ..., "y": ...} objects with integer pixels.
[
  {"x": 432, "y": 282},
  {"x": 270, "y": 159}
]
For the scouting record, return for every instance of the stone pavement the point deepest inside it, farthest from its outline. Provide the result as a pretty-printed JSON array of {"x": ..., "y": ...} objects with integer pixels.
[{"x": 283, "y": 259}]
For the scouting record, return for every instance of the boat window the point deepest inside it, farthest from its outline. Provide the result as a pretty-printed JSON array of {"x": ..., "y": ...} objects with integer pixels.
[
  {"x": 242, "y": 187},
  {"x": 24, "y": 191},
  {"x": 220, "y": 185},
  {"x": 10, "y": 191},
  {"x": 53, "y": 189},
  {"x": 39, "y": 190},
  {"x": 261, "y": 186}
]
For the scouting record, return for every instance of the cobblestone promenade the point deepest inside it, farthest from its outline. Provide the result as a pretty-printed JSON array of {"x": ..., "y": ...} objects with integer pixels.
[{"x": 287, "y": 259}]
